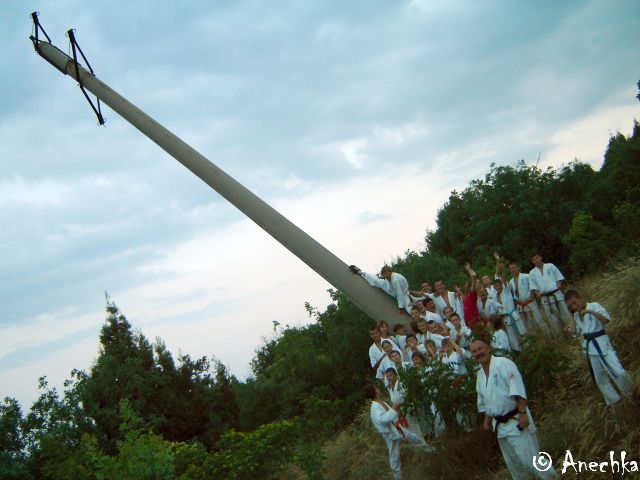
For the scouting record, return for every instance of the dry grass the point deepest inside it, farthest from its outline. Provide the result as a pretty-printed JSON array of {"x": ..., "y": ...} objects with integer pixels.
[{"x": 570, "y": 416}]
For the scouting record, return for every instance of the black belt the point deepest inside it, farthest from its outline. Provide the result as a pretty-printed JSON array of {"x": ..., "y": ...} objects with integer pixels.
[
  {"x": 548, "y": 294},
  {"x": 505, "y": 418}
]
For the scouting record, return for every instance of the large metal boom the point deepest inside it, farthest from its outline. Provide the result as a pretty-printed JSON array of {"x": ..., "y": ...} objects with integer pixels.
[{"x": 374, "y": 302}]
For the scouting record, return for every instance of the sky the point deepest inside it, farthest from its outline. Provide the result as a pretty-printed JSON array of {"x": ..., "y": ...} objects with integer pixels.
[{"x": 353, "y": 119}]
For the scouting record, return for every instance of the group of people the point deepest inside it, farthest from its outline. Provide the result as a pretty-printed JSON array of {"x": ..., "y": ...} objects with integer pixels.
[{"x": 443, "y": 328}]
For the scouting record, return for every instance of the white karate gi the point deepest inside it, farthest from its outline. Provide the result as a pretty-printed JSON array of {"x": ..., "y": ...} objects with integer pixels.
[
  {"x": 454, "y": 303},
  {"x": 397, "y": 394},
  {"x": 383, "y": 418},
  {"x": 490, "y": 307},
  {"x": 603, "y": 374},
  {"x": 513, "y": 324},
  {"x": 521, "y": 291},
  {"x": 495, "y": 398},
  {"x": 546, "y": 281},
  {"x": 429, "y": 316},
  {"x": 375, "y": 354},
  {"x": 500, "y": 342},
  {"x": 456, "y": 361},
  {"x": 408, "y": 353},
  {"x": 397, "y": 287},
  {"x": 437, "y": 339},
  {"x": 401, "y": 341},
  {"x": 386, "y": 364}
]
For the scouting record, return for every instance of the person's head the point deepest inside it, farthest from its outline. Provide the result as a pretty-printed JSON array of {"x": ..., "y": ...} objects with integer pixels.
[
  {"x": 430, "y": 345},
  {"x": 386, "y": 346},
  {"x": 514, "y": 268},
  {"x": 420, "y": 306},
  {"x": 486, "y": 281},
  {"x": 415, "y": 313},
  {"x": 412, "y": 341},
  {"x": 395, "y": 357},
  {"x": 447, "y": 346},
  {"x": 371, "y": 392},
  {"x": 432, "y": 326},
  {"x": 391, "y": 375},
  {"x": 536, "y": 259},
  {"x": 574, "y": 300},
  {"x": 384, "y": 328},
  {"x": 399, "y": 329},
  {"x": 480, "y": 351},
  {"x": 439, "y": 286},
  {"x": 497, "y": 284},
  {"x": 374, "y": 333},
  {"x": 429, "y": 304},
  {"x": 496, "y": 324},
  {"x": 447, "y": 311},
  {"x": 426, "y": 287},
  {"x": 455, "y": 320},
  {"x": 482, "y": 293},
  {"x": 422, "y": 326},
  {"x": 386, "y": 272},
  {"x": 417, "y": 358}
]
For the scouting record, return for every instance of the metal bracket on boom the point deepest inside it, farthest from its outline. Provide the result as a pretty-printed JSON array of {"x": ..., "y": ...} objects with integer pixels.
[{"x": 75, "y": 47}]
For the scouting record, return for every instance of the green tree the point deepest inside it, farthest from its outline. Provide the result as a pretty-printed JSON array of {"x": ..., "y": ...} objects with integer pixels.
[
  {"x": 590, "y": 243},
  {"x": 512, "y": 210},
  {"x": 13, "y": 463}
]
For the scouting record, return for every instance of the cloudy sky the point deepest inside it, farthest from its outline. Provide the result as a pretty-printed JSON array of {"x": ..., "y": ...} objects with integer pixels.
[{"x": 353, "y": 119}]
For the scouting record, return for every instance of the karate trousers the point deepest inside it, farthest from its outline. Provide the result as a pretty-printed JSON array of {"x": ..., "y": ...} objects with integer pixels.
[
  {"x": 532, "y": 317},
  {"x": 556, "y": 311},
  {"x": 393, "y": 445},
  {"x": 604, "y": 377},
  {"x": 518, "y": 452}
]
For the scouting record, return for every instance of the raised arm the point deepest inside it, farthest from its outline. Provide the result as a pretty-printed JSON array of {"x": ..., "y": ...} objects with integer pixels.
[
  {"x": 499, "y": 265},
  {"x": 472, "y": 275}
]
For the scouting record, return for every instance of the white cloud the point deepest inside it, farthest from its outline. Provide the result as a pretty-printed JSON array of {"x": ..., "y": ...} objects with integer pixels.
[
  {"x": 586, "y": 139},
  {"x": 43, "y": 193},
  {"x": 352, "y": 152}
]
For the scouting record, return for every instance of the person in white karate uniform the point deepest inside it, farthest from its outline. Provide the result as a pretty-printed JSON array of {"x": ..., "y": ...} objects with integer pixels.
[
  {"x": 499, "y": 338},
  {"x": 397, "y": 394},
  {"x": 391, "y": 282},
  {"x": 430, "y": 313},
  {"x": 460, "y": 334},
  {"x": 413, "y": 346},
  {"x": 513, "y": 325},
  {"x": 400, "y": 336},
  {"x": 503, "y": 400},
  {"x": 444, "y": 298},
  {"x": 376, "y": 354},
  {"x": 454, "y": 356},
  {"x": 589, "y": 321},
  {"x": 386, "y": 360},
  {"x": 546, "y": 281},
  {"x": 520, "y": 289},
  {"x": 488, "y": 307},
  {"x": 385, "y": 420}
]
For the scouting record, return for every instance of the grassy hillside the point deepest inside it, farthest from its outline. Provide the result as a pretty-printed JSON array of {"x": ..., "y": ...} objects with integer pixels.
[{"x": 569, "y": 409}]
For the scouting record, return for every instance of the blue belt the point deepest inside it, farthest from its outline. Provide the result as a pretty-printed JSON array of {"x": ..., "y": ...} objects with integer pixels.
[{"x": 591, "y": 338}]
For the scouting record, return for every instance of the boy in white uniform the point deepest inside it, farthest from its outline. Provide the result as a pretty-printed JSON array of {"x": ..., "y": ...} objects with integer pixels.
[
  {"x": 444, "y": 298},
  {"x": 503, "y": 400},
  {"x": 384, "y": 419},
  {"x": 546, "y": 281},
  {"x": 391, "y": 282},
  {"x": 512, "y": 322},
  {"x": 520, "y": 288},
  {"x": 386, "y": 360},
  {"x": 589, "y": 320},
  {"x": 396, "y": 394},
  {"x": 413, "y": 346}
]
